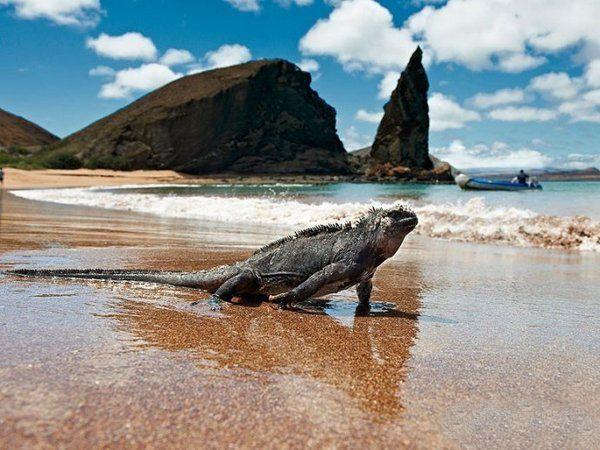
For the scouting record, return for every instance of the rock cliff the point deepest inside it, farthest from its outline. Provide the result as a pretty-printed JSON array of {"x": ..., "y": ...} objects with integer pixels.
[{"x": 258, "y": 117}]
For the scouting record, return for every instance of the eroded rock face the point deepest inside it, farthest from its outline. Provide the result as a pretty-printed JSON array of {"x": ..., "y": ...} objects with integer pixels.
[
  {"x": 258, "y": 117},
  {"x": 403, "y": 135},
  {"x": 16, "y": 131}
]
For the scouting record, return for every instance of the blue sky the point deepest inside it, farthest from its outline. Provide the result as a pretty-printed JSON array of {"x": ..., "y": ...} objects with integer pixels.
[{"x": 513, "y": 82}]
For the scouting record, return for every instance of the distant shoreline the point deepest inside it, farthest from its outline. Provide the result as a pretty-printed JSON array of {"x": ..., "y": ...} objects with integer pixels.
[{"x": 55, "y": 178}]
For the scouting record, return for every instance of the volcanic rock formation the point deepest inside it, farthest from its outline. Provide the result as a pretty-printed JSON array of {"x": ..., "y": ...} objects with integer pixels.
[
  {"x": 403, "y": 135},
  {"x": 401, "y": 146},
  {"x": 258, "y": 117},
  {"x": 16, "y": 131}
]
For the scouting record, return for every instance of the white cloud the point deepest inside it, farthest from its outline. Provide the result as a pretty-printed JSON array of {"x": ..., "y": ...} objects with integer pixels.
[
  {"x": 224, "y": 56},
  {"x": 558, "y": 85},
  {"x": 227, "y": 55},
  {"x": 583, "y": 109},
  {"x": 500, "y": 97},
  {"x": 175, "y": 57},
  {"x": 497, "y": 156},
  {"x": 487, "y": 34},
  {"x": 592, "y": 73},
  {"x": 523, "y": 114},
  {"x": 592, "y": 97},
  {"x": 518, "y": 62},
  {"x": 130, "y": 45},
  {"x": 309, "y": 65},
  {"x": 579, "y": 161},
  {"x": 102, "y": 71},
  {"x": 445, "y": 113},
  {"x": 139, "y": 79},
  {"x": 387, "y": 85},
  {"x": 61, "y": 12},
  {"x": 360, "y": 34},
  {"x": 366, "y": 116},
  {"x": 245, "y": 5},
  {"x": 255, "y": 5},
  {"x": 287, "y": 3},
  {"x": 354, "y": 140},
  {"x": 577, "y": 96}
]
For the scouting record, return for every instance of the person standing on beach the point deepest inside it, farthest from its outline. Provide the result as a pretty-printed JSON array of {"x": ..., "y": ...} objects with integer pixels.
[{"x": 1, "y": 177}]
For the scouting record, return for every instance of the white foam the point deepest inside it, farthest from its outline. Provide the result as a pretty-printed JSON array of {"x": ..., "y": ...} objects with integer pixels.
[{"x": 471, "y": 221}]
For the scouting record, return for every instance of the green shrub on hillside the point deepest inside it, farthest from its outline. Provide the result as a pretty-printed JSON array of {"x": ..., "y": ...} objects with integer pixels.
[
  {"x": 60, "y": 160},
  {"x": 107, "y": 162},
  {"x": 10, "y": 157}
]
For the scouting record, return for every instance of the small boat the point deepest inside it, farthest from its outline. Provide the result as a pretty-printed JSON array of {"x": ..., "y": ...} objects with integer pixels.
[{"x": 481, "y": 184}]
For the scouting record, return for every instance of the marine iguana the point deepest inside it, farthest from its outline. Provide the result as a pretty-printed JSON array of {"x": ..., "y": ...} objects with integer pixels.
[{"x": 313, "y": 262}]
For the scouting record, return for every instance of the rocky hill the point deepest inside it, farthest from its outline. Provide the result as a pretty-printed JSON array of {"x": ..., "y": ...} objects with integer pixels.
[
  {"x": 401, "y": 146},
  {"x": 258, "y": 117},
  {"x": 16, "y": 131}
]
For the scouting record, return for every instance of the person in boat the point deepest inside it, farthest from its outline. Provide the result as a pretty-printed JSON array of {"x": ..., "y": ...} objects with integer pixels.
[{"x": 522, "y": 177}]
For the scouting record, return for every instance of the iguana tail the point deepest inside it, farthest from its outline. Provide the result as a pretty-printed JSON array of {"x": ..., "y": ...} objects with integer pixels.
[{"x": 208, "y": 280}]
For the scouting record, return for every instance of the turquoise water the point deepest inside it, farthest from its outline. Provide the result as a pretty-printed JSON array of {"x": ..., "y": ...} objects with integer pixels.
[{"x": 559, "y": 198}]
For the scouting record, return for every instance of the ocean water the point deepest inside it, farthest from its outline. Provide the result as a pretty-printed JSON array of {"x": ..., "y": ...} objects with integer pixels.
[{"x": 564, "y": 215}]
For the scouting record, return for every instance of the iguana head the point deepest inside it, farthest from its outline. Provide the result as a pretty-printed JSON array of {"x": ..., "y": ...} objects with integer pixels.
[{"x": 392, "y": 226}]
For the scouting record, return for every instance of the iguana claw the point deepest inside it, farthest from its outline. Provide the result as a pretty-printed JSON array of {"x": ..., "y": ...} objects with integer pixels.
[{"x": 215, "y": 303}]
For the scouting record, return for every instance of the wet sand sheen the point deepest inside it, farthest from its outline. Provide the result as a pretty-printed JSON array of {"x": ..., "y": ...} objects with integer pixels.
[{"x": 467, "y": 345}]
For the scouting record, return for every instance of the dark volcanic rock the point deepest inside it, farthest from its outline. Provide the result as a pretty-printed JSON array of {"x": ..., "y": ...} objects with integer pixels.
[
  {"x": 258, "y": 117},
  {"x": 16, "y": 131},
  {"x": 402, "y": 136}
]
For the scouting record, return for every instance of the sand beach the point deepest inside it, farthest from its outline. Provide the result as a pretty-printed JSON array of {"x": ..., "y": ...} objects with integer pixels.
[{"x": 467, "y": 345}]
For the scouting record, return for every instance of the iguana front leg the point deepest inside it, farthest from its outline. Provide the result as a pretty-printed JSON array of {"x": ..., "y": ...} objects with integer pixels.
[
  {"x": 363, "y": 290},
  {"x": 314, "y": 283}
]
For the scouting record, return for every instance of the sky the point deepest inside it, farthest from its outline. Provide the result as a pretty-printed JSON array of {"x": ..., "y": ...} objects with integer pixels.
[{"x": 513, "y": 83}]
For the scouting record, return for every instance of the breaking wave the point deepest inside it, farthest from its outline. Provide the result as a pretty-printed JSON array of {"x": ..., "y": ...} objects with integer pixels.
[{"x": 470, "y": 221}]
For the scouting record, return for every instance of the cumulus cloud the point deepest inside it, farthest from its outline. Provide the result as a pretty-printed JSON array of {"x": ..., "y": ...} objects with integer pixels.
[
  {"x": 502, "y": 34},
  {"x": 500, "y": 97},
  {"x": 583, "y": 109},
  {"x": 139, "y": 79},
  {"x": 592, "y": 73},
  {"x": 225, "y": 56},
  {"x": 255, "y": 5},
  {"x": 387, "y": 84},
  {"x": 130, "y": 45},
  {"x": 579, "y": 161},
  {"x": 287, "y": 3},
  {"x": 354, "y": 140},
  {"x": 366, "y": 116},
  {"x": 228, "y": 55},
  {"x": 102, "y": 71},
  {"x": 62, "y": 12},
  {"x": 558, "y": 85},
  {"x": 523, "y": 114},
  {"x": 574, "y": 97},
  {"x": 245, "y": 5},
  {"x": 309, "y": 65},
  {"x": 518, "y": 62},
  {"x": 360, "y": 34},
  {"x": 496, "y": 156},
  {"x": 445, "y": 113},
  {"x": 176, "y": 57}
]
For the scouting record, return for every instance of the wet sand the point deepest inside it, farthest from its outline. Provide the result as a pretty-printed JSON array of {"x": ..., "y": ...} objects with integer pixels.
[{"x": 466, "y": 345}]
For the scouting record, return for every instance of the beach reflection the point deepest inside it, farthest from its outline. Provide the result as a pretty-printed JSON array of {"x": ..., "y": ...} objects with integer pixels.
[{"x": 361, "y": 353}]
